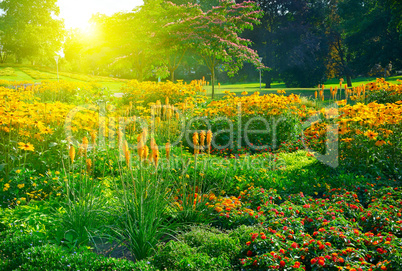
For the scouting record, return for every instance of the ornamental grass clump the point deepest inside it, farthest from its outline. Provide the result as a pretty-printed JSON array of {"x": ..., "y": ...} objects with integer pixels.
[{"x": 144, "y": 202}]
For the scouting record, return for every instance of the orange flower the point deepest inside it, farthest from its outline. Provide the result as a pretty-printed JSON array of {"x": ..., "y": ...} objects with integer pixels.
[
  {"x": 85, "y": 145},
  {"x": 126, "y": 151},
  {"x": 93, "y": 137},
  {"x": 72, "y": 153},
  {"x": 155, "y": 155},
  {"x": 167, "y": 150},
  {"x": 145, "y": 153},
  {"x": 209, "y": 140},
  {"x": 379, "y": 143},
  {"x": 195, "y": 142},
  {"x": 140, "y": 148},
  {"x": 202, "y": 138},
  {"x": 89, "y": 165}
]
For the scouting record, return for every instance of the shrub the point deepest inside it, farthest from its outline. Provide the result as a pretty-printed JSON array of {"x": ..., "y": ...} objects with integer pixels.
[
  {"x": 12, "y": 244},
  {"x": 150, "y": 92},
  {"x": 383, "y": 92},
  {"x": 260, "y": 123},
  {"x": 50, "y": 258},
  {"x": 180, "y": 256}
]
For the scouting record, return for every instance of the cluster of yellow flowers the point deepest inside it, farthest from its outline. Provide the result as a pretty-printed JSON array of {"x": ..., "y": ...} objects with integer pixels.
[
  {"x": 23, "y": 115},
  {"x": 373, "y": 121},
  {"x": 66, "y": 88},
  {"x": 35, "y": 74},
  {"x": 254, "y": 104},
  {"x": 8, "y": 71},
  {"x": 150, "y": 92},
  {"x": 381, "y": 84}
]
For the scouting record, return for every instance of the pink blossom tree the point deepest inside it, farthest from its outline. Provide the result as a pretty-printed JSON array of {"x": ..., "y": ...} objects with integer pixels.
[{"x": 215, "y": 34}]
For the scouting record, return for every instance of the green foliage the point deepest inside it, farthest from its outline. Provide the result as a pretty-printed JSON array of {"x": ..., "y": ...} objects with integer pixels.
[
  {"x": 383, "y": 97},
  {"x": 29, "y": 30},
  {"x": 50, "y": 257},
  {"x": 143, "y": 220},
  {"x": 83, "y": 212},
  {"x": 13, "y": 243},
  {"x": 25, "y": 185},
  {"x": 181, "y": 256}
]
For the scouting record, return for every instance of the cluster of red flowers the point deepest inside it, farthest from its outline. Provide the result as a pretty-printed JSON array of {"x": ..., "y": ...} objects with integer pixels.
[{"x": 343, "y": 230}]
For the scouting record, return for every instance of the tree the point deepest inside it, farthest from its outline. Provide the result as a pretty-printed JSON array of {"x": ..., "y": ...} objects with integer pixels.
[
  {"x": 396, "y": 7},
  {"x": 292, "y": 41},
  {"x": 214, "y": 35},
  {"x": 167, "y": 32},
  {"x": 370, "y": 34},
  {"x": 28, "y": 28}
]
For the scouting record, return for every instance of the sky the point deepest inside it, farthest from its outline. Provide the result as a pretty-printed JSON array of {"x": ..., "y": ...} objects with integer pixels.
[{"x": 76, "y": 13}]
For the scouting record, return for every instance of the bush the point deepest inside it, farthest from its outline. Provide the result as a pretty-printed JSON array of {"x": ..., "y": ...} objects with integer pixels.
[
  {"x": 383, "y": 92},
  {"x": 258, "y": 123},
  {"x": 22, "y": 250},
  {"x": 50, "y": 257},
  {"x": 212, "y": 242},
  {"x": 12, "y": 244},
  {"x": 150, "y": 92},
  {"x": 180, "y": 256}
]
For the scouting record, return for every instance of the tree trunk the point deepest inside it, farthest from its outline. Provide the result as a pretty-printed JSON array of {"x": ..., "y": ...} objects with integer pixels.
[
  {"x": 213, "y": 81},
  {"x": 268, "y": 82},
  {"x": 3, "y": 57},
  {"x": 140, "y": 76},
  {"x": 349, "y": 81},
  {"x": 172, "y": 75}
]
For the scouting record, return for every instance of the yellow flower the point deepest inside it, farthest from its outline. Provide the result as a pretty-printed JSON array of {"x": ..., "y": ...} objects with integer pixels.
[
  {"x": 347, "y": 140},
  {"x": 244, "y": 93},
  {"x": 26, "y": 146},
  {"x": 6, "y": 187},
  {"x": 21, "y": 186},
  {"x": 371, "y": 134},
  {"x": 379, "y": 143}
]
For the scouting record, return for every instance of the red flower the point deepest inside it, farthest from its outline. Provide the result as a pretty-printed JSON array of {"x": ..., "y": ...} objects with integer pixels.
[
  {"x": 321, "y": 261},
  {"x": 297, "y": 265},
  {"x": 254, "y": 236},
  {"x": 322, "y": 246},
  {"x": 249, "y": 253}
]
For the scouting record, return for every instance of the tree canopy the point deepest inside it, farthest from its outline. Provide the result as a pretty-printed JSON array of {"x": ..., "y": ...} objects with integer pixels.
[
  {"x": 28, "y": 28},
  {"x": 303, "y": 42}
]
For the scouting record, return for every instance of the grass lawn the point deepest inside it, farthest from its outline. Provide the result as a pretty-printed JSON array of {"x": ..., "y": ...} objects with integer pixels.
[
  {"x": 22, "y": 76},
  {"x": 253, "y": 87},
  {"x": 114, "y": 87}
]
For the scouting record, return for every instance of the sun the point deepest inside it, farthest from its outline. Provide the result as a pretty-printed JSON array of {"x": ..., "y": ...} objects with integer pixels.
[
  {"x": 77, "y": 13},
  {"x": 88, "y": 30}
]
